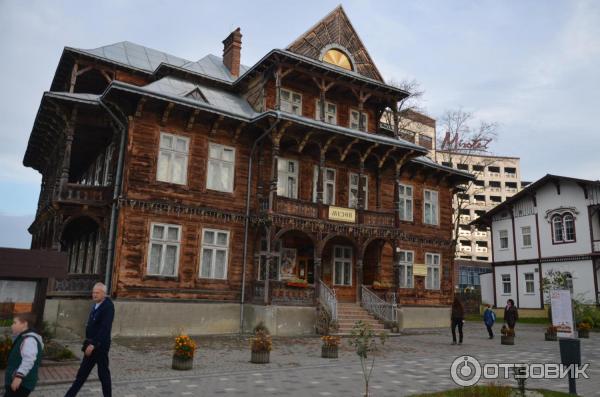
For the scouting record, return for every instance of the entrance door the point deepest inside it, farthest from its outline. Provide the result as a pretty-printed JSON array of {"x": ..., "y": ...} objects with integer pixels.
[{"x": 306, "y": 267}]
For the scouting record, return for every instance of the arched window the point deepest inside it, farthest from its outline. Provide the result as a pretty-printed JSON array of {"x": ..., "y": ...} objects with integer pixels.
[
  {"x": 337, "y": 58},
  {"x": 563, "y": 228}
]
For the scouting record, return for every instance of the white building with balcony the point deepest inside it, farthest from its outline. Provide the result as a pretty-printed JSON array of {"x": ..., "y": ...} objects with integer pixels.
[{"x": 552, "y": 224}]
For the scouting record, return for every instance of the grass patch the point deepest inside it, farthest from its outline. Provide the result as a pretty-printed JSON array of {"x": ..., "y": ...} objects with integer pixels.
[{"x": 488, "y": 391}]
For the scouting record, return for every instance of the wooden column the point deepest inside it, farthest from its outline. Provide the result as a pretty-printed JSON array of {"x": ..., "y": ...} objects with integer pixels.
[
  {"x": 396, "y": 265},
  {"x": 273, "y": 186},
  {"x": 320, "y": 170},
  {"x": 268, "y": 258},
  {"x": 378, "y": 189},
  {"x": 66, "y": 161},
  {"x": 361, "y": 194},
  {"x": 278, "y": 88},
  {"x": 317, "y": 272},
  {"x": 397, "y": 197},
  {"x": 395, "y": 117}
]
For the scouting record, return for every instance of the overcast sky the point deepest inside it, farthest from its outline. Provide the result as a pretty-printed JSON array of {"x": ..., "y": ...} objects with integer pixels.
[{"x": 532, "y": 66}]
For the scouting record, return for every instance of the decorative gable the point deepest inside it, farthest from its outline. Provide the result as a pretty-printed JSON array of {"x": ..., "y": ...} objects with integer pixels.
[
  {"x": 333, "y": 40},
  {"x": 196, "y": 94}
]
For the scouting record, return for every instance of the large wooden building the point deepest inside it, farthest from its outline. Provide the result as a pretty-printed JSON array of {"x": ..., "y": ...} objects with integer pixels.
[{"x": 179, "y": 181}]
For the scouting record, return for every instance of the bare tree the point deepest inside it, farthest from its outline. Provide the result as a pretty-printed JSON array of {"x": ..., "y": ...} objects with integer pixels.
[
  {"x": 463, "y": 140},
  {"x": 403, "y": 107}
]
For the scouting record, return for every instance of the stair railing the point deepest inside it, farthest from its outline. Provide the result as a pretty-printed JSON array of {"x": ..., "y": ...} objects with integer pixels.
[
  {"x": 377, "y": 307},
  {"x": 328, "y": 299}
]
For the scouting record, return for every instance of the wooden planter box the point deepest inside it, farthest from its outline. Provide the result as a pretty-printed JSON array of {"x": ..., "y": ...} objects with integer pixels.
[
  {"x": 550, "y": 337},
  {"x": 507, "y": 339},
  {"x": 329, "y": 351},
  {"x": 182, "y": 364},
  {"x": 260, "y": 357},
  {"x": 583, "y": 333}
]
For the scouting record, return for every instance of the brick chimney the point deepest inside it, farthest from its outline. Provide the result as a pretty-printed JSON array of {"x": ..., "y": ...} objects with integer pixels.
[{"x": 232, "y": 47}]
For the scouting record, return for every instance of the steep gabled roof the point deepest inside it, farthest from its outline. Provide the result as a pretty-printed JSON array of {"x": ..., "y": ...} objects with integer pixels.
[{"x": 336, "y": 31}]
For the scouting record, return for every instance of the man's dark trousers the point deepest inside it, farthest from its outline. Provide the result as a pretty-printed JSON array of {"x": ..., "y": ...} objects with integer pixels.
[{"x": 100, "y": 358}]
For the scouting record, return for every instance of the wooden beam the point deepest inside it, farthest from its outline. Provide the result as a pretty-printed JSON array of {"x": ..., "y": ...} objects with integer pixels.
[
  {"x": 215, "y": 125},
  {"x": 305, "y": 140},
  {"x": 385, "y": 156},
  {"x": 140, "y": 106},
  {"x": 190, "y": 123},
  {"x": 106, "y": 76},
  {"x": 82, "y": 71},
  {"x": 347, "y": 149},
  {"x": 327, "y": 144},
  {"x": 238, "y": 131},
  {"x": 368, "y": 151},
  {"x": 73, "y": 77},
  {"x": 166, "y": 113}
]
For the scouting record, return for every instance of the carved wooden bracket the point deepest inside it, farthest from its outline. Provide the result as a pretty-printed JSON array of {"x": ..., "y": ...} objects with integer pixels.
[
  {"x": 191, "y": 120},
  {"x": 347, "y": 149},
  {"x": 305, "y": 140},
  {"x": 140, "y": 106},
  {"x": 215, "y": 125},
  {"x": 166, "y": 113}
]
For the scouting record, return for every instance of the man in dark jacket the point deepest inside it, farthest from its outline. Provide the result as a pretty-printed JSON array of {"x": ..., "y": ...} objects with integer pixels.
[
  {"x": 97, "y": 342},
  {"x": 511, "y": 315}
]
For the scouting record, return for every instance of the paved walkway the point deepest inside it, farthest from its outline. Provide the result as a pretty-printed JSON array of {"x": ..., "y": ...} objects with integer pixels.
[{"x": 409, "y": 364}]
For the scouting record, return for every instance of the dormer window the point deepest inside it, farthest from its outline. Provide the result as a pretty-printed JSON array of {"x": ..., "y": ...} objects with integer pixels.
[
  {"x": 358, "y": 120},
  {"x": 337, "y": 58},
  {"x": 330, "y": 112},
  {"x": 290, "y": 101}
]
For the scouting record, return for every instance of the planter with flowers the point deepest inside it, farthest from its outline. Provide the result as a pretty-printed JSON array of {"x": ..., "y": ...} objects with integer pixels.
[
  {"x": 260, "y": 345},
  {"x": 507, "y": 335},
  {"x": 297, "y": 283},
  {"x": 183, "y": 354},
  {"x": 583, "y": 329},
  {"x": 551, "y": 333},
  {"x": 330, "y": 346}
]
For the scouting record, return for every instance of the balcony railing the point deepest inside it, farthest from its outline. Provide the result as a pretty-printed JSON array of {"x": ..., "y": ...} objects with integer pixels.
[
  {"x": 85, "y": 194},
  {"x": 373, "y": 218},
  {"x": 465, "y": 248},
  {"x": 481, "y": 249},
  {"x": 464, "y": 233},
  {"x": 510, "y": 175},
  {"x": 297, "y": 207},
  {"x": 480, "y": 234},
  {"x": 282, "y": 294}
]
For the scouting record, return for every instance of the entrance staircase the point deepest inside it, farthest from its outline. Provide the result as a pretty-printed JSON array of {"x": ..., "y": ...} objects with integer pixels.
[{"x": 350, "y": 313}]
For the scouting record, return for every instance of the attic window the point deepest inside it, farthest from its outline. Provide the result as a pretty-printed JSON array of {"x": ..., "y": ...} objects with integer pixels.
[
  {"x": 337, "y": 58},
  {"x": 196, "y": 94}
]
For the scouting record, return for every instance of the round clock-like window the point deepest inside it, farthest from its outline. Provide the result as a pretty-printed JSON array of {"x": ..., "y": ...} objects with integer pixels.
[{"x": 337, "y": 58}]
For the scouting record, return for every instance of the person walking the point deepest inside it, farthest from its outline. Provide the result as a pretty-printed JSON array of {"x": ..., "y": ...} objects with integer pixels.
[
  {"x": 489, "y": 318},
  {"x": 511, "y": 315},
  {"x": 97, "y": 343},
  {"x": 24, "y": 357},
  {"x": 457, "y": 318}
]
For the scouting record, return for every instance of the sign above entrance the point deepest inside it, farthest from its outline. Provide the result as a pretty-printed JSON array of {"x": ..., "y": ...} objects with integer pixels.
[
  {"x": 342, "y": 214},
  {"x": 419, "y": 269}
]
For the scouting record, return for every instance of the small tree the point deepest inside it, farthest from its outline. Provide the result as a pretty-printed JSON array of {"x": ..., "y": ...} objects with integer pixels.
[{"x": 363, "y": 339}]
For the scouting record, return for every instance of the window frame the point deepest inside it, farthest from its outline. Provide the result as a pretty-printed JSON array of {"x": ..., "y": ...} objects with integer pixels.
[
  {"x": 506, "y": 283},
  {"x": 316, "y": 183},
  {"x": 220, "y": 161},
  {"x": 365, "y": 188},
  {"x": 430, "y": 202},
  {"x": 164, "y": 242},
  {"x": 529, "y": 283},
  {"x": 403, "y": 276},
  {"x": 214, "y": 247},
  {"x": 345, "y": 261},
  {"x": 291, "y": 101},
  {"x": 523, "y": 234},
  {"x": 360, "y": 114},
  {"x": 429, "y": 281},
  {"x": 172, "y": 152},
  {"x": 403, "y": 198},
  {"x": 500, "y": 238},
  {"x": 287, "y": 174},
  {"x": 327, "y": 112},
  {"x": 561, "y": 219}
]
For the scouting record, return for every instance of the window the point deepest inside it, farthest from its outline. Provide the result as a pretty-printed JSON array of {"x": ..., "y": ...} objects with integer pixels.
[
  {"x": 406, "y": 259},
  {"x": 213, "y": 262},
  {"x": 529, "y": 287},
  {"x": 290, "y": 101},
  {"x": 405, "y": 202},
  {"x": 328, "y": 185},
  {"x": 353, "y": 190},
  {"x": 503, "y": 239},
  {"x": 342, "y": 265},
  {"x": 358, "y": 120},
  {"x": 287, "y": 178},
  {"x": 563, "y": 228},
  {"x": 330, "y": 112},
  {"x": 173, "y": 159},
  {"x": 425, "y": 141},
  {"x": 526, "y": 236},
  {"x": 430, "y": 207},
  {"x": 275, "y": 260},
  {"x": 337, "y": 58},
  {"x": 164, "y": 249},
  {"x": 506, "y": 283},
  {"x": 221, "y": 164},
  {"x": 432, "y": 261}
]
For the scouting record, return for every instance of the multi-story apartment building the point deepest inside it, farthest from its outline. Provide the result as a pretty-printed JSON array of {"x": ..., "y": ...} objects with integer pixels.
[
  {"x": 552, "y": 224},
  {"x": 272, "y": 188}
]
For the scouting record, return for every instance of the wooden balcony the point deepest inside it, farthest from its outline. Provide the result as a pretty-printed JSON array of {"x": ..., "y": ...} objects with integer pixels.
[
  {"x": 310, "y": 210},
  {"x": 85, "y": 194}
]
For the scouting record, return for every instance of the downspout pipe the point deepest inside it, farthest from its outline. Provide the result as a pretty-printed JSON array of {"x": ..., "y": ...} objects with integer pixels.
[
  {"x": 247, "y": 218},
  {"x": 115, "y": 199}
]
